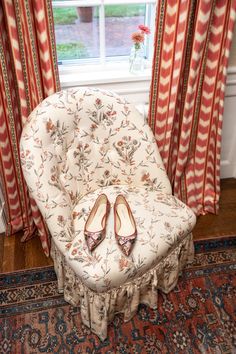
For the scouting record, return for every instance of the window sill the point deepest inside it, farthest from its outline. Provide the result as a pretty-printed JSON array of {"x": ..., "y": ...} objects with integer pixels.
[
  {"x": 93, "y": 75},
  {"x": 112, "y": 77}
]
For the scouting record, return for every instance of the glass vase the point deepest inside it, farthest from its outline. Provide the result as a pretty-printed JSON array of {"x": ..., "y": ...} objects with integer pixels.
[{"x": 136, "y": 59}]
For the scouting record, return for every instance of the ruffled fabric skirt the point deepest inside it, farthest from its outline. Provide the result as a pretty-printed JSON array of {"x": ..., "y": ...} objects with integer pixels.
[{"x": 99, "y": 308}]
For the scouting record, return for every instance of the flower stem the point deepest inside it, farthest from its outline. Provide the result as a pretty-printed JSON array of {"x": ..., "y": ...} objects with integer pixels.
[{"x": 133, "y": 60}]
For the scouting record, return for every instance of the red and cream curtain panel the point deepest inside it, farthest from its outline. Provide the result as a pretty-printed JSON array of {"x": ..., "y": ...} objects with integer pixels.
[
  {"x": 192, "y": 43},
  {"x": 28, "y": 74}
]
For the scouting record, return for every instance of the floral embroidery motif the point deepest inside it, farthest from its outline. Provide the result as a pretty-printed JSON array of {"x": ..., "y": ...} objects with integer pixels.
[{"x": 126, "y": 148}]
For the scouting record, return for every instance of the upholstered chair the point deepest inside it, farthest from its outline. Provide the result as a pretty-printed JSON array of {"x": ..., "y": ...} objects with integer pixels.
[{"x": 82, "y": 142}]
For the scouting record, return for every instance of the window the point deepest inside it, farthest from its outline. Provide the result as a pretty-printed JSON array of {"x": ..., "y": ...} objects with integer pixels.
[{"x": 98, "y": 31}]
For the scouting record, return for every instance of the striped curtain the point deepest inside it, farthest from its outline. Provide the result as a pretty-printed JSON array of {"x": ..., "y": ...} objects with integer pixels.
[
  {"x": 28, "y": 74},
  {"x": 192, "y": 43}
]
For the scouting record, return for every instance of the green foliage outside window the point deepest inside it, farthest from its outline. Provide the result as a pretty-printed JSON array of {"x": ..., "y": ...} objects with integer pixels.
[
  {"x": 68, "y": 15},
  {"x": 71, "y": 51}
]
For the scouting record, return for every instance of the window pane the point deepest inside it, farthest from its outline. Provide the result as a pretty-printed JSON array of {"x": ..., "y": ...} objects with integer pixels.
[
  {"x": 77, "y": 32},
  {"x": 120, "y": 22}
]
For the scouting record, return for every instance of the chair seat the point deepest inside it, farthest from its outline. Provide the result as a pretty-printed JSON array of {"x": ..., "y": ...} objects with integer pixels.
[{"x": 162, "y": 223}]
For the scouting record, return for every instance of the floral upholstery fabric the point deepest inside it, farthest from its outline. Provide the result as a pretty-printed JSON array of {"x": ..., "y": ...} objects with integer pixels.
[
  {"x": 162, "y": 222},
  {"x": 77, "y": 144}
]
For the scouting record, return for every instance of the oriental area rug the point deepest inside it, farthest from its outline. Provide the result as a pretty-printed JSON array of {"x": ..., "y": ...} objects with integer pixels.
[{"x": 198, "y": 316}]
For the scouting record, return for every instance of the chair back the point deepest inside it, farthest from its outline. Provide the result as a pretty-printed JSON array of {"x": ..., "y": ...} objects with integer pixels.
[{"x": 81, "y": 139}]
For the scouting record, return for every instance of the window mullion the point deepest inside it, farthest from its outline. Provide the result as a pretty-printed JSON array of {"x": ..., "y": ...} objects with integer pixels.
[
  {"x": 102, "y": 35},
  {"x": 150, "y": 22}
]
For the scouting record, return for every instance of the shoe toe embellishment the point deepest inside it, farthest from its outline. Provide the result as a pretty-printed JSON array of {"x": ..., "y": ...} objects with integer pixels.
[{"x": 93, "y": 239}]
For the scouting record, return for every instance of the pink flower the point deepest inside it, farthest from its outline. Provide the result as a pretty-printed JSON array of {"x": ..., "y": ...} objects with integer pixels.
[
  {"x": 144, "y": 29},
  {"x": 93, "y": 126},
  {"x": 123, "y": 263},
  {"x": 74, "y": 214},
  {"x": 50, "y": 126},
  {"x": 60, "y": 218},
  {"x": 145, "y": 177},
  {"x": 68, "y": 245},
  {"x": 98, "y": 102},
  {"x": 137, "y": 37}
]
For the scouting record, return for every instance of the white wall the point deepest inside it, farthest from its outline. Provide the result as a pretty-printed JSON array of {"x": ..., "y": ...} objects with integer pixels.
[{"x": 228, "y": 152}]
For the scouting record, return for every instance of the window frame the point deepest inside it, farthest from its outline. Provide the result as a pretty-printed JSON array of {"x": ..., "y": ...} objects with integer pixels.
[
  {"x": 113, "y": 75},
  {"x": 101, "y": 4}
]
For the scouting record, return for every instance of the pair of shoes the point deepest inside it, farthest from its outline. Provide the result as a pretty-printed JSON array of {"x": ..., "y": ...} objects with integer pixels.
[{"x": 124, "y": 224}]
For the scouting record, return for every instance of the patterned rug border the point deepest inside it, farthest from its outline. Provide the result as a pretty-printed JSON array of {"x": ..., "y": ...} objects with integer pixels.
[
  {"x": 212, "y": 244},
  {"x": 203, "y": 299},
  {"x": 35, "y": 275}
]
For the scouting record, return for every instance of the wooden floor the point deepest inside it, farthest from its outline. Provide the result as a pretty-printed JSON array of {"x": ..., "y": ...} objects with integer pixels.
[{"x": 15, "y": 255}]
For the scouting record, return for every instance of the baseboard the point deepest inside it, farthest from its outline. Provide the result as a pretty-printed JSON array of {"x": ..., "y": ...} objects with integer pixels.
[
  {"x": 2, "y": 227},
  {"x": 227, "y": 169}
]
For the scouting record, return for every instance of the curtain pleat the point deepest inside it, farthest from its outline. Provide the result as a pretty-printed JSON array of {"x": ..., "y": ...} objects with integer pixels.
[
  {"x": 28, "y": 74},
  {"x": 192, "y": 43}
]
